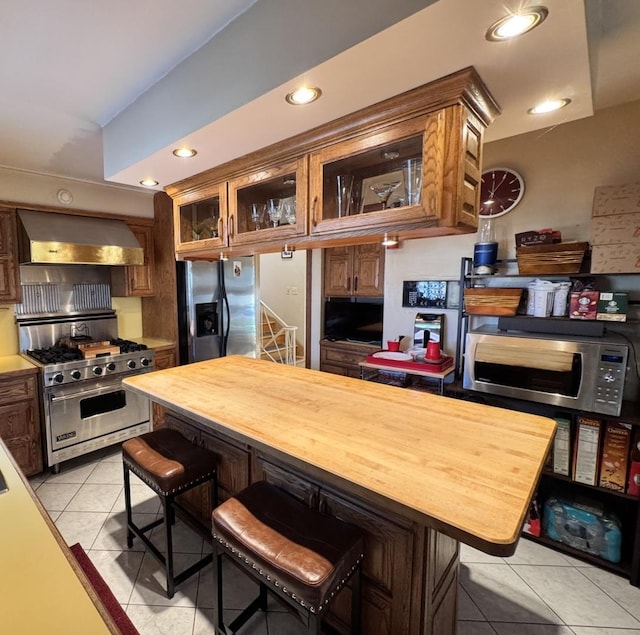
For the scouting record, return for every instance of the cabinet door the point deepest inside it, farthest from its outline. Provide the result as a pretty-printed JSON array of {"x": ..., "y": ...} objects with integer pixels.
[
  {"x": 200, "y": 219},
  {"x": 376, "y": 190},
  {"x": 233, "y": 466},
  {"x": 165, "y": 359},
  {"x": 299, "y": 487},
  {"x": 338, "y": 272},
  {"x": 9, "y": 271},
  {"x": 269, "y": 205},
  {"x": 141, "y": 277},
  {"x": 20, "y": 422},
  {"x": 368, "y": 270},
  {"x": 387, "y": 572}
]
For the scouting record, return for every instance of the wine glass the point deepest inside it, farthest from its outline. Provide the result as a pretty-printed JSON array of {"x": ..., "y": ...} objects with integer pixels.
[
  {"x": 383, "y": 191},
  {"x": 257, "y": 214},
  {"x": 290, "y": 211},
  {"x": 274, "y": 209}
]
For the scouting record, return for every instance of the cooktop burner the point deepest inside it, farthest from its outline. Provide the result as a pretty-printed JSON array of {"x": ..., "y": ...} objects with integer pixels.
[
  {"x": 127, "y": 346},
  {"x": 55, "y": 354},
  {"x": 62, "y": 354}
]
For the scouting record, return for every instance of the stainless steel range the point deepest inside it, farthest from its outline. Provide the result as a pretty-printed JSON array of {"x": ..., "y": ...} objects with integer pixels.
[{"x": 83, "y": 363}]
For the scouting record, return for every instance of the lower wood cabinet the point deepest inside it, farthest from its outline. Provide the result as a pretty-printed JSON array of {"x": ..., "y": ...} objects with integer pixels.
[
  {"x": 20, "y": 420},
  {"x": 410, "y": 569},
  {"x": 388, "y": 551},
  {"x": 165, "y": 358},
  {"x": 343, "y": 358}
]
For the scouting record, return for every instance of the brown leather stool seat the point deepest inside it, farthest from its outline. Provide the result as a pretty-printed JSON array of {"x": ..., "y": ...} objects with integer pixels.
[
  {"x": 170, "y": 465},
  {"x": 303, "y": 556}
]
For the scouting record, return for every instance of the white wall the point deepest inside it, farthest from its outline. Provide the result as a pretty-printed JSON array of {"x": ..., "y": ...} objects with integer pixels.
[
  {"x": 278, "y": 279},
  {"x": 37, "y": 189}
]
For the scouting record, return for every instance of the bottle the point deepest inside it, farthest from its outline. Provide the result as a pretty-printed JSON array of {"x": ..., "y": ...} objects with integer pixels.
[{"x": 485, "y": 251}]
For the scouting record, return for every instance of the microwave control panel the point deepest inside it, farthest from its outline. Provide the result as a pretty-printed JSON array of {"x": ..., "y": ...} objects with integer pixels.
[{"x": 612, "y": 365}]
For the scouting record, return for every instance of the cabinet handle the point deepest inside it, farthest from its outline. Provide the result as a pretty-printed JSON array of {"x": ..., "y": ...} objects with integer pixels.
[
  {"x": 231, "y": 226},
  {"x": 349, "y": 283},
  {"x": 355, "y": 283},
  {"x": 314, "y": 209},
  {"x": 220, "y": 228}
]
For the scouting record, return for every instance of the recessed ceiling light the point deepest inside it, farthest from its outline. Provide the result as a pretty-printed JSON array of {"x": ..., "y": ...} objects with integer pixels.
[
  {"x": 149, "y": 182},
  {"x": 303, "y": 95},
  {"x": 549, "y": 105},
  {"x": 516, "y": 24},
  {"x": 185, "y": 153}
]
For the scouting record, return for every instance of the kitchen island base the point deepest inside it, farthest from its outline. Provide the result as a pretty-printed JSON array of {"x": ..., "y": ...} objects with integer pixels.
[{"x": 410, "y": 572}]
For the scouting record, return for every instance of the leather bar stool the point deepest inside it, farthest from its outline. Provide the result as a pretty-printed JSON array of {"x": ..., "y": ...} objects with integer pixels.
[
  {"x": 170, "y": 465},
  {"x": 301, "y": 555}
]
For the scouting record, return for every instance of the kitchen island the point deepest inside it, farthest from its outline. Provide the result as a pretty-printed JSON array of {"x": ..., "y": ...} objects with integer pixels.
[{"x": 418, "y": 472}]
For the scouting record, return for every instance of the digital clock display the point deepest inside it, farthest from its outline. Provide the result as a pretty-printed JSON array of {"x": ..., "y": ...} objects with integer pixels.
[{"x": 615, "y": 359}]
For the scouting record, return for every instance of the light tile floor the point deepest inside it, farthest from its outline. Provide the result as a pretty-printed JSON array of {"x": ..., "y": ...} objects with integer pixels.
[{"x": 537, "y": 591}]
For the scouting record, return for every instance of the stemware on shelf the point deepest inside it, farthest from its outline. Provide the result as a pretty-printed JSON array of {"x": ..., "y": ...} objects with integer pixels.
[
  {"x": 383, "y": 190},
  {"x": 257, "y": 214},
  {"x": 344, "y": 194},
  {"x": 290, "y": 211},
  {"x": 274, "y": 209}
]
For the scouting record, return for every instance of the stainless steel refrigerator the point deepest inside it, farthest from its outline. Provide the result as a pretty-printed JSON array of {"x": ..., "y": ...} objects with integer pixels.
[{"x": 218, "y": 309}]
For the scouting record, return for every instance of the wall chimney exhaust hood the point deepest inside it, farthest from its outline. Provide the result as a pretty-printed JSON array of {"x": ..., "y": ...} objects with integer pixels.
[{"x": 65, "y": 239}]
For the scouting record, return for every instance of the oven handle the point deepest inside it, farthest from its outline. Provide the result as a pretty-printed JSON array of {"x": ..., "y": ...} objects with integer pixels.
[{"x": 85, "y": 393}]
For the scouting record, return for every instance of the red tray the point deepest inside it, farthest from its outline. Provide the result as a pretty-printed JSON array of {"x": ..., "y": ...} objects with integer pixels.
[{"x": 446, "y": 362}]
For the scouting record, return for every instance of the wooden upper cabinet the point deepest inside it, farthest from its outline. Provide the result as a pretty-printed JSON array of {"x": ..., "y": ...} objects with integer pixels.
[
  {"x": 136, "y": 280},
  {"x": 354, "y": 271},
  {"x": 270, "y": 204},
  {"x": 360, "y": 184},
  {"x": 409, "y": 165},
  {"x": 9, "y": 270},
  {"x": 200, "y": 218}
]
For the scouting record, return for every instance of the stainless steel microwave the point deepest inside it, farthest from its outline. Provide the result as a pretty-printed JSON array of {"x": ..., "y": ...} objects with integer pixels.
[{"x": 574, "y": 372}]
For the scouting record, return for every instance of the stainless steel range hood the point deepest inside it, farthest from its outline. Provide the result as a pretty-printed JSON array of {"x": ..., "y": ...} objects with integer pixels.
[{"x": 65, "y": 239}]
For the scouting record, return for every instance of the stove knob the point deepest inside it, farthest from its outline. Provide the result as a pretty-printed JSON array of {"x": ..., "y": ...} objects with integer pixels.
[
  {"x": 131, "y": 363},
  {"x": 111, "y": 366},
  {"x": 58, "y": 378},
  {"x": 75, "y": 374},
  {"x": 97, "y": 370},
  {"x": 145, "y": 362}
]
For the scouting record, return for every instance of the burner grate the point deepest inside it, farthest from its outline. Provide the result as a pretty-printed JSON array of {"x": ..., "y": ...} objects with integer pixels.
[
  {"x": 55, "y": 354},
  {"x": 127, "y": 346}
]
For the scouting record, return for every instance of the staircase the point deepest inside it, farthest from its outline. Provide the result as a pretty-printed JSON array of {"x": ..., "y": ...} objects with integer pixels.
[{"x": 278, "y": 340}]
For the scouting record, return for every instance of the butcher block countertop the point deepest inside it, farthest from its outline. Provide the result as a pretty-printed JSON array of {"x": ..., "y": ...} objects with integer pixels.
[
  {"x": 42, "y": 589},
  {"x": 468, "y": 469}
]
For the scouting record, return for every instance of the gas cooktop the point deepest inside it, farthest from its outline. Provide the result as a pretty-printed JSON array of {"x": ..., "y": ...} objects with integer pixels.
[{"x": 63, "y": 354}]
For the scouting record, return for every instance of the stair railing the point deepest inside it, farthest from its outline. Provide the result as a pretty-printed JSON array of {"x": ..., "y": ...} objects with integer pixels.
[{"x": 274, "y": 329}]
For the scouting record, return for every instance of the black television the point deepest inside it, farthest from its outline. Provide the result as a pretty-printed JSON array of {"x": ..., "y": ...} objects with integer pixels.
[{"x": 353, "y": 321}]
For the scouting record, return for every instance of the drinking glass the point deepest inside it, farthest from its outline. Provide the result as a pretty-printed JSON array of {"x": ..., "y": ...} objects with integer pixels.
[
  {"x": 344, "y": 194},
  {"x": 274, "y": 209},
  {"x": 412, "y": 171},
  {"x": 257, "y": 214},
  {"x": 290, "y": 211},
  {"x": 383, "y": 191}
]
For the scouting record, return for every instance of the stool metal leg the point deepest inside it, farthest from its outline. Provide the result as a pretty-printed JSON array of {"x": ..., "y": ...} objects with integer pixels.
[
  {"x": 167, "y": 503},
  {"x": 127, "y": 504}
]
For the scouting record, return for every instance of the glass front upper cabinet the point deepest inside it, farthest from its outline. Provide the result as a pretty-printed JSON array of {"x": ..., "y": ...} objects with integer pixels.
[
  {"x": 373, "y": 181},
  {"x": 269, "y": 205},
  {"x": 200, "y": 219}
]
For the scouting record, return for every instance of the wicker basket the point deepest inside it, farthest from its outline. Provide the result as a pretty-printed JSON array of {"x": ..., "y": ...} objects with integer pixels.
[
  {"x": 492, "y": 300},
  {"x": 550, "y": 259}
]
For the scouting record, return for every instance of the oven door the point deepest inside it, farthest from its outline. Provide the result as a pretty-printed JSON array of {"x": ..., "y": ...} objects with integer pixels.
[
  {"x": 78, "y": 412},
  {"x": 534, "y": 369}
]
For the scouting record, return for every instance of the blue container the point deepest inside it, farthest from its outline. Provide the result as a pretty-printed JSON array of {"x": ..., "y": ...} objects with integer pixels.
[{"x": 485, "y": 254}]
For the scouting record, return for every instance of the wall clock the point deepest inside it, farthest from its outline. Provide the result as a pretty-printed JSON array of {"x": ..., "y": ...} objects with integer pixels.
[{"x": 501, "y": 189}]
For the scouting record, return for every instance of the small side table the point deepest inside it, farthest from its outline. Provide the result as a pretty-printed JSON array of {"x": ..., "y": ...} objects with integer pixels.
[{"x": 379, "y": 366}]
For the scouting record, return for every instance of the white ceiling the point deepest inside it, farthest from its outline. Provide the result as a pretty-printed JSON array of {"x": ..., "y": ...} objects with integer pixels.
[{"x": 70, "y": 68}]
